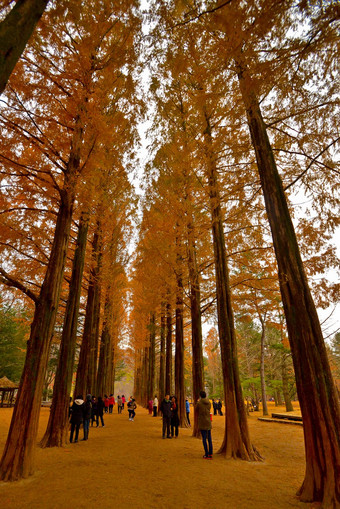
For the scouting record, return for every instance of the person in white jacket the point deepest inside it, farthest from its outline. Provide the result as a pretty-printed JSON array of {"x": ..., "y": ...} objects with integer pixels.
[{"x": 155, "y": 406}]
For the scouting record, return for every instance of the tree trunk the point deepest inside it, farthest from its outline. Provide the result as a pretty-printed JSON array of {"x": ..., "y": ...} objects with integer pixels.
[
  {"x": 56, "y": 434},
  {"x": 316, "y": 390},
  {"x": 161, "y": 385},
  {"x": 236, "y": 443},
  {"x": 285, "y": 390},
  {"x": 196, "y": 327},
  {"x": 15, "y": 31},
  {"x": 104, "y": 373},
  {"x": 152, "y": 358},
  {"x": 179, "y": 355},
  {"x": 18, "y": 456},
  {"x": 262, "y": 375},
  {"x": 81, "y": 385},
  {"x": 168, "y": 360}
]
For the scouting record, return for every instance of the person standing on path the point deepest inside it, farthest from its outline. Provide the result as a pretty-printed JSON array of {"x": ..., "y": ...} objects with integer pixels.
[
  {"x": 123, "y": 401},
  {"x": 111, "y": 403},
  {"x": 150, "y": 406},
  {"x": 187, "y": 409},
  {"x": 119, "y": 403},
  {"x": 131, "y": 408},
  {"x": 77, "y": 417},
  {"x": 204, "y": 424},
  {"x": 166, "y": 413},
  {"x": 174, "y": 417},
  {"x": 87, "y": 416},
  {"x": 100, "y": 411},
  {"x": 155, "y": 406}
]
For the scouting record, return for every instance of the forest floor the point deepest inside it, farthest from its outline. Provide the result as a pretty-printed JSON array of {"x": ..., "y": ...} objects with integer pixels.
[{"x": 128, "y": 465}]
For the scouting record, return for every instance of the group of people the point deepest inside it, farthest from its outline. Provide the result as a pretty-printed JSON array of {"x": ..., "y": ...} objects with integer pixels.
[
  {"x": 169, "y": 409},
  {"x": 92, "y": 410},
  {"x": 217, "y": 407}
]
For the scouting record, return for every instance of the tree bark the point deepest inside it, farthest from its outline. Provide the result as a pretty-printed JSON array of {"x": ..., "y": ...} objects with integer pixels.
[
  {"x": 81, "y": 385},
  {"x": 15, "y": 31},
  {"x": 152, "y": 358},
  {"x": 196, "y": 326},
  {"x": 168, "y": 360},
  {"x": 56, "y": 434},
  {"x": 316, "y": 390},
  {"x": 236, "y": 443},
  {"x": 285, "y": 390},
  {"x": 161, "y": 385},
  {"x": 104, "y": 373},
  {"x": 18, "y": 456},
  {"x": 262, "y": 374},
  {"x": 179, "y": 352}
]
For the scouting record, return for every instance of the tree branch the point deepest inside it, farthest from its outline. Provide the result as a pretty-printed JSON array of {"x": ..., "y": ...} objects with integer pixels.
[{"x": 7, "y": 280}]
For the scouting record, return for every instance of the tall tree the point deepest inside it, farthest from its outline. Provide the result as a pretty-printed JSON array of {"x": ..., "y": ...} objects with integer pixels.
[{"x": 15, "y": 31}]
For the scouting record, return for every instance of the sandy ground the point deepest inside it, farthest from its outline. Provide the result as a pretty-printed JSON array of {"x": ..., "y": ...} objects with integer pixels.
[{"x": 128, "y": 465}]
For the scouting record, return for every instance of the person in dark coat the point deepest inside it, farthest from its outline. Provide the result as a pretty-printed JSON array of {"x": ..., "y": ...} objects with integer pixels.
[
  {"x": 100, "y": 411},
  {"x": 204, "y": 423},
  {"x": 165, "y": 408},
  {"x": 219, "y": 407},
  {"x": 174, "y": 417},
  {"x": 87, "y": 415},
  {"x": 214, "y": 406},
  {"x": 77, "y": 417},
  {"x": 94, "y": 410}
]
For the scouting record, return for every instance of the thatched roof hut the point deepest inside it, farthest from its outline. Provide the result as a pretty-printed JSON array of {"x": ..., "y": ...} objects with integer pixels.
[{"x": 7, "y": 391}]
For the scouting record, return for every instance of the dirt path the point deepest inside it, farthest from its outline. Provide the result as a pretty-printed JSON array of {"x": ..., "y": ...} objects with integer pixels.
[{"x": 128, "y": 465}]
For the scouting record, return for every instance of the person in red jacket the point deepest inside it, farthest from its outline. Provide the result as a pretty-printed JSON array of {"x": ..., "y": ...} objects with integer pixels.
[
  {"x": 111, "y": 403},
  {"x": 106, "y": 403}
]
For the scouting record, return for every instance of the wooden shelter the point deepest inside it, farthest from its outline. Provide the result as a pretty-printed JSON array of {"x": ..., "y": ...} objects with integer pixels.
[{"x": 8, "y": 392}]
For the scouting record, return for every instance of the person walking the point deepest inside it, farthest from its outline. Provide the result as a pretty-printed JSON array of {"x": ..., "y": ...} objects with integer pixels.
[
  {"x": 204, "y": 424},
  {"x": 165, "y": 408},
  {"x": 150, "y": 406},
  {"x": 174, "y": 423},
  {"x": 131, "y": 408},
  {"x": 100, "y": 411},
  {"x": 155, "y": 406},
  {"x": 77, "y": 417},
  {"x": 120, "y": 404},
  {"x": 106, "y": 403},
  {"x": 87, "y": 416},
  {"x": 187, "y": 409},
  {"x": 94, "y": 411},
  {"x": 111, "y": 403},
  {"x": 219, "y": 407},
  {"x": 123, "y": 401}
]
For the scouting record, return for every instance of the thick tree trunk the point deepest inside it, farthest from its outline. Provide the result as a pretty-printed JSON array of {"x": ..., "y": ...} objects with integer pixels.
[
  {"x": 161, "y": 384},
  {"x": 152, "y": 358},
  {"x": 196, "y": 326},
  {"x": 15, "y": 31},
  {"x": 56, "y": 434},
  {"x": 179, "y": 355},
  {"x": 94, "y": 336},
  {"x": 316, "y": 390},
  {"x": 104, "y": 373},
  {"x": 236, "y": 443},
  {"x": 168, "y": 359},
  {"x": 18, "y": 456},
  {"x": 81, "y": 385},
  {"x": 262, "y": 375}
]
